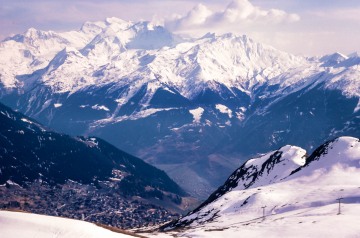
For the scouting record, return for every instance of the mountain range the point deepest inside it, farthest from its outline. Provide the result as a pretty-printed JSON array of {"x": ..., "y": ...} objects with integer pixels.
[{"x": 195, "y": 108}]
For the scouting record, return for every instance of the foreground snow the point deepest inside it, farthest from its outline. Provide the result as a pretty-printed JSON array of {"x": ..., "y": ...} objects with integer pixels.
[
  {"x": 16, "y": 224},
  {"x": 309, "y": 222}
]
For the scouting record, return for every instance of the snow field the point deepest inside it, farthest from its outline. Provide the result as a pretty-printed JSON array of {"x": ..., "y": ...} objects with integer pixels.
[{"x": 26, "y": 225}]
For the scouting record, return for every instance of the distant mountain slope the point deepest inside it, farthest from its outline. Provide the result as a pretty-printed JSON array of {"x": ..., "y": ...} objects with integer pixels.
[
  {"x": 39, "y": 160},
  {"x": 328, "y": 174},
  {"x": 31, "y": 152},
  {"x": 189, "y": 106}
]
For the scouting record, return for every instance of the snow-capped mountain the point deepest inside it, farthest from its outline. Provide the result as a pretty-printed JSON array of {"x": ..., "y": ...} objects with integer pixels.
[
  {"x": 261, "y": 197},
  {"x": 193, "y": 106}
]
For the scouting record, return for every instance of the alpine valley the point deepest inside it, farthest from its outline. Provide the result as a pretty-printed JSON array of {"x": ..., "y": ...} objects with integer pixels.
[
  {"x": 48, "y": 173},
  {"x": 285, "y": 192},
  {"x": 195, "y": 108}
]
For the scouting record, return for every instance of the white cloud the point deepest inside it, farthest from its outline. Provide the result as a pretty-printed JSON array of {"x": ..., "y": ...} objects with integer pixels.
[
  {"x": 321, "y": 29},
  {"x": 17, "y": 16},
  {"x": 239, "y": 14},
  {"x": 196, "y": 17}
]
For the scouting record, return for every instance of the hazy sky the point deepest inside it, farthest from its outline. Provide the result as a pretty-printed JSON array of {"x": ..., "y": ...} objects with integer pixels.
[{"x": 310, "y": 27}]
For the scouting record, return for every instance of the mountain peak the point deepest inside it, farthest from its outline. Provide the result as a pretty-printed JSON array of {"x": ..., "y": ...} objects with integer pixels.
[
  {"x": 93, "y": 28},
  {"x": 35, "y": 37},
  {"x": 211, "y": 35},
  {"x": 333, "y": 59},
  {"x": 31, "y": 31}
]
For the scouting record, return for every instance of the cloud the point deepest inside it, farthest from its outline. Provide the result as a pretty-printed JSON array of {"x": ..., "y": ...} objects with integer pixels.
[
  {"x": 194, "y": 18},
  {"x": 238, "y": 14},
  {"x": 17, "y": 16}
]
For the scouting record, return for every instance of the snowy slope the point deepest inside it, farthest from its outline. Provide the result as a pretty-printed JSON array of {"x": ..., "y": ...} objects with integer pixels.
[
  {"x": 299, "y": 199},
  {"x": 16, "y": 224},
  {"x": 309, "y": 222},
  {"x": 266, "y": 169}
]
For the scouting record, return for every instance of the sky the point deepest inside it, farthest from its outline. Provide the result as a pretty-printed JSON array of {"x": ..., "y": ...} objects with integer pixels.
[{"x": 303, "y": 27}]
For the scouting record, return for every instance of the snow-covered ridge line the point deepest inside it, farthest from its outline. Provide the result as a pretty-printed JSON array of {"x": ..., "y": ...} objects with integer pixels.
[
  {"x": 266, "y": 169},
  {"x": 288, "y": 166},
  {"x": 136, "y": 53}
]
